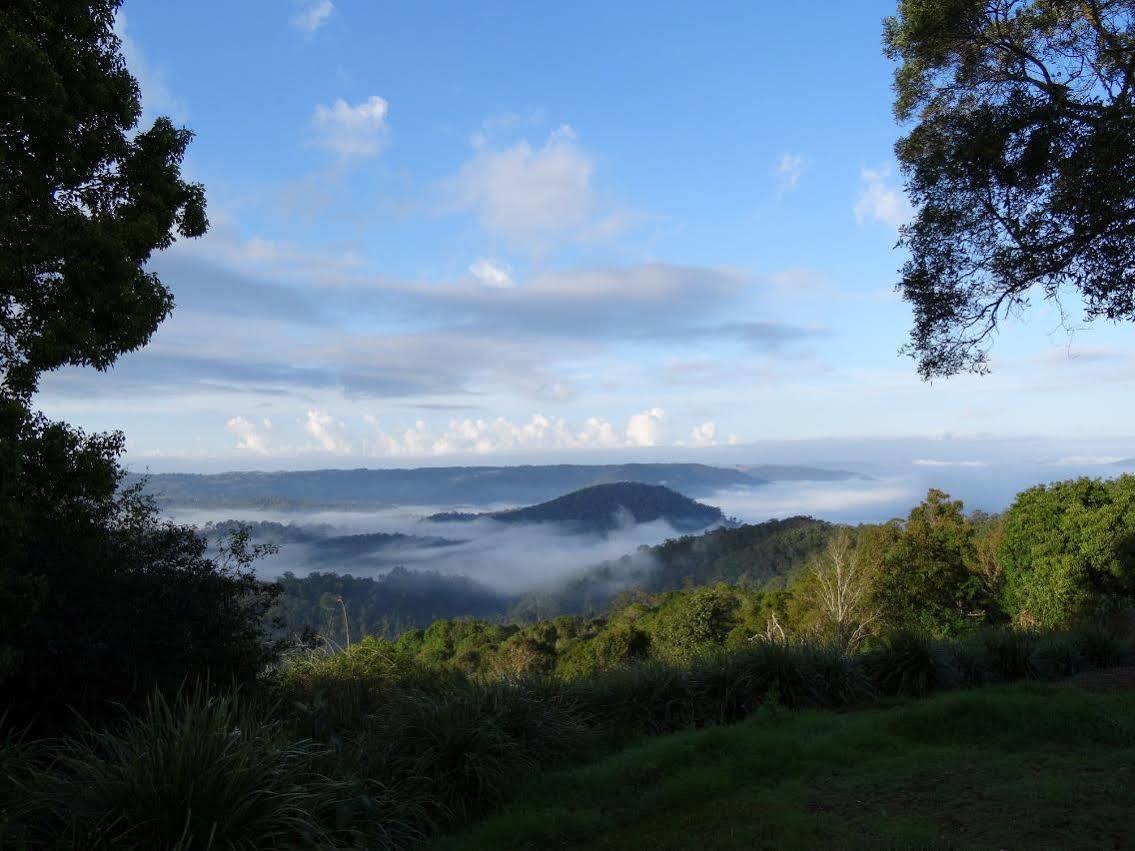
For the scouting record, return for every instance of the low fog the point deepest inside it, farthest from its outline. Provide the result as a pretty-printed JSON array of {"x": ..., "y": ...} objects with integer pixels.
[
  {"x": 514, "y": 559},
  {"x": 508, "y": 558}
]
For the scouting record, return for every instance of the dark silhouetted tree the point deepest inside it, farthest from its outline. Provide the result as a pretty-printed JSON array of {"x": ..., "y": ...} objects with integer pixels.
[
  {"x": 85, "y": 197},
  {"x": 1021, "y": 164}
]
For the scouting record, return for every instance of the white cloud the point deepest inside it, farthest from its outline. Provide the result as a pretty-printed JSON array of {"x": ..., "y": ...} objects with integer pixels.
[
  {"x": 357, "y": 130},
  {"x": 157, "y": 97},
  {"x": 491, "y": 273},
  {"x": 312, "y": 15},
  {"x": 479, "y": 436},
  {"x": 881, "y": 202},
  {"x": 251, "y": 437},
  {"x": 789, "y": 169},
  {"x": 704, "y": 434},
  {"x": 647, "y": 428},
  {"x": 936, "y": 462},
  {"x": 462, "y": 436},
  {"x": 329, "y": 433},
  {"x": 525, "y": 194}
]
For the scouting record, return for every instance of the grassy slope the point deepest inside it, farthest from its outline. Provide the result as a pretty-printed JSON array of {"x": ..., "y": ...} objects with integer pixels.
[{"x": 1024, "y": 766}]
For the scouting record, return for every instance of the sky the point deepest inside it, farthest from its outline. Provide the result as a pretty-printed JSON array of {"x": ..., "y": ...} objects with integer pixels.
[{"x": 517, "y": 231}]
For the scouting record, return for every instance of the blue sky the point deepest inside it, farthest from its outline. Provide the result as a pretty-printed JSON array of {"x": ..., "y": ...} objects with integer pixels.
[{"x": 452, "y": 230}]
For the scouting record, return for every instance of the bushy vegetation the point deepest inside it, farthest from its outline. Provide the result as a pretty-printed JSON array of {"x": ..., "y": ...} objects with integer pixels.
[{"x": 374, "y": 746}]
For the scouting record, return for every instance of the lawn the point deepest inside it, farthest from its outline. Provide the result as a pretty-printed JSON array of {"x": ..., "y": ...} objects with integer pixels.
[{"x": 1024, "y": 766}]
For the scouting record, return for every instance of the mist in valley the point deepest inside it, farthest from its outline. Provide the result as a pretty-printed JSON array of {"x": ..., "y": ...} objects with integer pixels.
[{"x": 515, "y": 559}]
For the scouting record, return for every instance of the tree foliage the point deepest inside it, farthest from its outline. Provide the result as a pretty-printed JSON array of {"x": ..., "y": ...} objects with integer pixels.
[
  {"x": 85, "y": 197},
  {"x": 100, "y": 599},
  {"x": 924, "y": 579},
  {"x": 1066, "y": 546},
  {"x": 1021, "y": 164}
]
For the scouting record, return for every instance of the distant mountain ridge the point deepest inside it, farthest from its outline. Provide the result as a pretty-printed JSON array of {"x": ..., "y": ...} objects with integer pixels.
[
  {"x": 375, "y": 488},
  {"x": 601, "y": 508}
]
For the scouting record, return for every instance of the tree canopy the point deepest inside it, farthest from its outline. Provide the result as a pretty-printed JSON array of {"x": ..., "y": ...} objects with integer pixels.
[
  {"x": 1021, "y": 164},
  {"x": 85, "y": 196}
]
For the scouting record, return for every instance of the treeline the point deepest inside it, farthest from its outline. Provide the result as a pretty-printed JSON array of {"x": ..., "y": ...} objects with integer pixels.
[{"x": 1061, "y": 554}]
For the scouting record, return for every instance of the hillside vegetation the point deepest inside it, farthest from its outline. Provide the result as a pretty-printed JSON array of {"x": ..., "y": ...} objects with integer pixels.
[
  {"x": 602, "y": 508},
  {"x": 755, "y": 556}
]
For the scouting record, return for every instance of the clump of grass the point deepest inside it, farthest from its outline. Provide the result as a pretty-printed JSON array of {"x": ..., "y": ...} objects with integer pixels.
[
  {"x": 1057, "y": 656},
  {"x": 1009, "y": 653},
  {"x": 647, "y": 698},
  {"x": 197, "y": 771},
  {"x": 329, "y": 693},
  {"x": 464, "y": 748},
  {"x": 841, "y": 679},
  {"x": 907, "y": 663},
  {"x": 1101, "y": 647},
  {"x": 20, "y": 765}
]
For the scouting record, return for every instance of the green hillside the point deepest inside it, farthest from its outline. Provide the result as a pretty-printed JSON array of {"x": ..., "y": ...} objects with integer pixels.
[{"x": 1027, "y": 766}]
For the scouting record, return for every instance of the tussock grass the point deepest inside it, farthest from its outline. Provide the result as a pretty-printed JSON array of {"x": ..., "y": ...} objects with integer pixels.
[{"x": 199, "y": 771}]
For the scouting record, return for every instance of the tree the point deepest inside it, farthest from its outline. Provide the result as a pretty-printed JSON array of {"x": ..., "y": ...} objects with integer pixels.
[
  {"x": 837, "y": 588},
  {"x": 84, "y": 200},
  {"x": 694, "y": 621},
  {"x": 1067, "y": 546},
  {"x": 1021, "y": 164},
  {"x": 924, "y": 581},
  {"x": 102, "y": 600}
]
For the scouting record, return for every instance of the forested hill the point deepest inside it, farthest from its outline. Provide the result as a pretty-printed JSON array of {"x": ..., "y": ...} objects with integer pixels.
[
  {"x": 448, "y": 485},
  {"x": 601, "y": 508},
  {"x": 761, "y": 555}
]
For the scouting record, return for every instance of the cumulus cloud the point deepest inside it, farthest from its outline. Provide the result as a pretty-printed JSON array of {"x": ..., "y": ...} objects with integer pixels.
[
  {"x": 330, "y": 434},
  {"x": 879, "y": 201},
  {"x": 480, "y": 436},
  {"x": 250, "y": 436},
  {"x": 647, "y": 428},
  {"x": 463, "y": 436},
  {"x": 789, "y": 169},
  {"x": 491, "y": 273},
  {"x": 524, "y": 194},
  {"x": 312, "y": 15},
  {"x": 704, "y": 434},
  {"x": 352, "y": 130}
]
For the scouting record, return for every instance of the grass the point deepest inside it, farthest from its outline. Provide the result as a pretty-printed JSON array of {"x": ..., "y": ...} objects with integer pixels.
[
  {"x": 1030, "y": 765},
  {"x": 369, "y": 748}
]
